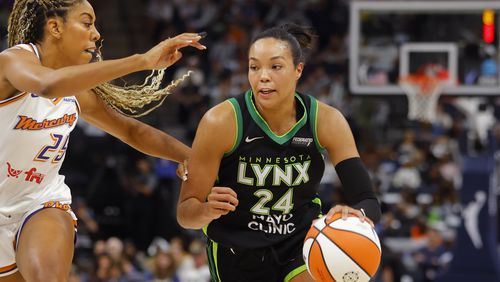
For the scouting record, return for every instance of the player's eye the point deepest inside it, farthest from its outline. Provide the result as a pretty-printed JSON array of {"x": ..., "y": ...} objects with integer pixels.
[
  {"x": 253, "y": 68},
  {"x": 277, "y": 67}
]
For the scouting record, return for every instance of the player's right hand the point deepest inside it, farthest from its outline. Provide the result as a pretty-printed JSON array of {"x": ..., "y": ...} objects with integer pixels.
[
  {"x": 166, "y": 53},
  {"x": 346, "y": 210},
  {"x": 220, "y": 201}
]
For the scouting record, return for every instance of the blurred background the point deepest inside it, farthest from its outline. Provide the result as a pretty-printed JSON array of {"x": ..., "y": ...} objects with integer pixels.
[{"x": 436, "y": 179}]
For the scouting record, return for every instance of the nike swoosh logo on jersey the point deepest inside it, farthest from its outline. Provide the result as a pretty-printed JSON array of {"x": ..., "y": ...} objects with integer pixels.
[{"x": 248, "y": 139}]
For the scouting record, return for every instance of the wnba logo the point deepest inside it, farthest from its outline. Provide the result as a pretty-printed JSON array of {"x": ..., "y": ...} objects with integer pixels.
[
  {"x": 350, "y": 276},
  {"x": 470, "y": 215}
]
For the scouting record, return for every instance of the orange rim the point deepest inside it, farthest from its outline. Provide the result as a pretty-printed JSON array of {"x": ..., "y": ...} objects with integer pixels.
[{"x": 425, "y": 83}]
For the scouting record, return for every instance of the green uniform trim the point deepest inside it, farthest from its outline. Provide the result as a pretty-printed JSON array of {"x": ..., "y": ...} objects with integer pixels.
[
  {"x": 212, "y": 260},
  {"x": 259, "y": 120},
  {"x": 317, "y": 201},
  {"x": 314, "y": 123},
  {"x": 239, "y": 125},
  {"x": 295, "y": 272}
]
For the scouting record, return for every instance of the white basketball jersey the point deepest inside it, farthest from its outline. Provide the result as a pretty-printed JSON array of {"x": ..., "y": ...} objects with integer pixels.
[{"x": 33, "y": 141}]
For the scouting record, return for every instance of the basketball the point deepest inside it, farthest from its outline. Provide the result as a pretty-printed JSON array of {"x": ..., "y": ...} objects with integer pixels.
[{"x": 342, "y": 250}]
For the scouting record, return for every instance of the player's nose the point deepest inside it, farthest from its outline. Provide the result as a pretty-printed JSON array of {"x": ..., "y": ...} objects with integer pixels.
[
  {"x": 95, "y": 34},
  {"x": 264, "y": 76}
]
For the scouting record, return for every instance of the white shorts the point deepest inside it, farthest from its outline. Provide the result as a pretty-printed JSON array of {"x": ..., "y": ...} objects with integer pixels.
[{"x": 9, "y": 234}]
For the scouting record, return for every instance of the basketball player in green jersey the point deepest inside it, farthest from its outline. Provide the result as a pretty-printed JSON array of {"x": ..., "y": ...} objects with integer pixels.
[{"x": 263, "y": 151}]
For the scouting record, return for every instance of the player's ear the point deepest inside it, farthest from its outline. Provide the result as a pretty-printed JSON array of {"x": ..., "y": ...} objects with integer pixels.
[
  {"x": 54, "y": 27},
  {"x": 298, "y": 70}
]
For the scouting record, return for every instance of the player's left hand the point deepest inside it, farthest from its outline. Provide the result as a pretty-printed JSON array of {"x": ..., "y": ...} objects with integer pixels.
[
  {"x": 167, "y": 52},
  {"x": 346, "y": 210}
]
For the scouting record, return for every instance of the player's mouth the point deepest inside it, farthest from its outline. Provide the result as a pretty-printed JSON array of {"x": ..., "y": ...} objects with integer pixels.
[
  {"x": 266, "y": 92},
  {"x": 96, "y": 56},
  {"x": 90, "y": 50}
]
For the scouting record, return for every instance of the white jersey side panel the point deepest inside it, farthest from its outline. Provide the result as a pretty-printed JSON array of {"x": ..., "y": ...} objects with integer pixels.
[{"x": 33, "y": 141}]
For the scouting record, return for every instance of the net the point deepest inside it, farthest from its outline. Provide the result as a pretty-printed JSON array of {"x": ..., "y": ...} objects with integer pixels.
[{"x": 423, "y": 90}]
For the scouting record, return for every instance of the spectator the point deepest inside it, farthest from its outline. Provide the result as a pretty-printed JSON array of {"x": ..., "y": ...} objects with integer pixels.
[
  {"x": 140, "y": 208},
  {"x": 433, "y": 258}
]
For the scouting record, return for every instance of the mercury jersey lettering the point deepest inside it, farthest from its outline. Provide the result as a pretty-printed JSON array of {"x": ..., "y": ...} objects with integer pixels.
[
  {"x": 275, "y": 177},
  {"x": 34, "y": 138},
  {"x": 28, "y": 123}
]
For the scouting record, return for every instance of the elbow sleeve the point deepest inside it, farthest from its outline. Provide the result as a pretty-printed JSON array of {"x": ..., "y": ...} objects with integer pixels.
[{"x": 358, "y": 189}]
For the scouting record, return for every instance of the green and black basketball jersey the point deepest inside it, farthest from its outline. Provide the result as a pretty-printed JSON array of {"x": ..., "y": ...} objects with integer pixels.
[{"x": 276, "y": 177}]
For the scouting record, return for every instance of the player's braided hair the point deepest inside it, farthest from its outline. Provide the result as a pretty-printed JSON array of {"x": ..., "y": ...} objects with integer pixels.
[{"x": 26, "y": 25}]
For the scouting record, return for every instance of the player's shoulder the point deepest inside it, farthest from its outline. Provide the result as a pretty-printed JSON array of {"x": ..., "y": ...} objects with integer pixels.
[
  {"x": 218, "y": 123},
  {"x": 21, "y": 51},
  {"x": 328, "y": 112},
  {"x": 220, "y": 114}
]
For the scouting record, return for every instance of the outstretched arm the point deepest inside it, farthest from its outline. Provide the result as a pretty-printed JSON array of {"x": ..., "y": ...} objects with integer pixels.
[
  {"x": 23, "y": 70},
  {"x": 137, "y": 134},
  {"x": 344, "y": 155},
  {"x": 199, "y": 203}
]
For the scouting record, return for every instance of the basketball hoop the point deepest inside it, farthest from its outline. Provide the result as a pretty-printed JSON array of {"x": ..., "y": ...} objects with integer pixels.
[{"x": 423, "y": 91}]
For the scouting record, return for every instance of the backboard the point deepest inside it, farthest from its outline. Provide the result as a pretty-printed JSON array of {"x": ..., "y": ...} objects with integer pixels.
[{"x": 390, "y": 39}]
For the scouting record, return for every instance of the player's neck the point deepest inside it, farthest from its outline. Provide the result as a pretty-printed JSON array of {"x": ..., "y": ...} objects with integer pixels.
[
  {"x": 282, "y": 119},
  {"x": 50, "y": 55}
]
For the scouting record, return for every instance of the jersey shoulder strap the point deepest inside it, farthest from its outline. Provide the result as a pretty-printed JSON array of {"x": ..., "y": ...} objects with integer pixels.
[
  {"x": 238, "y": 123},
  {"x": 312, "y": 106},
  {"x": 29, "y": 47}
]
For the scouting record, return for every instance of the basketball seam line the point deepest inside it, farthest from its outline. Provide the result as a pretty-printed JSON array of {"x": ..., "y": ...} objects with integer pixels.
[
  {"x": 344, "y": 251},
  {"x": 319, "y": 230},
  {"x": 376, "y": 236},
  {"x": 328, "y": 224},
  {"x": 323, "y": 256},
  {"x": 380, "y": 251}
]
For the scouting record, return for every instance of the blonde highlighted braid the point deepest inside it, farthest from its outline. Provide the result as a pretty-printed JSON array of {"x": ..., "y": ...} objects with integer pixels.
[
  {"x": 131, "y": 100},
  {"x": 26, "y": 25}
]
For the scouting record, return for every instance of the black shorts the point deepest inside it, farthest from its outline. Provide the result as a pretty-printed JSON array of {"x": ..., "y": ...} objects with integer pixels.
[{"x": 280, "y": 262}]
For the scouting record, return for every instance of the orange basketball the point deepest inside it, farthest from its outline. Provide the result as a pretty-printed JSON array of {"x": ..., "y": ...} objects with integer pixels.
[{"x": 342, "y": 250}]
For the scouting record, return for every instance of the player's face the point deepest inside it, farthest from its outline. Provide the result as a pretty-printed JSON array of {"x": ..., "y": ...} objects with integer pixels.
[
  {"x": 271, "y": 72},
  {"x": 79, "y": 34}
]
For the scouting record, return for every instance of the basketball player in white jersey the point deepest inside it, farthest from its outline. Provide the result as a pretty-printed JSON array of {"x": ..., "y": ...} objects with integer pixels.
[{"x": 45, "y": 86}]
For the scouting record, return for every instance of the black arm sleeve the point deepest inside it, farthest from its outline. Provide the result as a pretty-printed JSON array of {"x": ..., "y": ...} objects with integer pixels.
[
  {"x": 358, "y": 188},
  {"x": 371, "y": 207}
]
